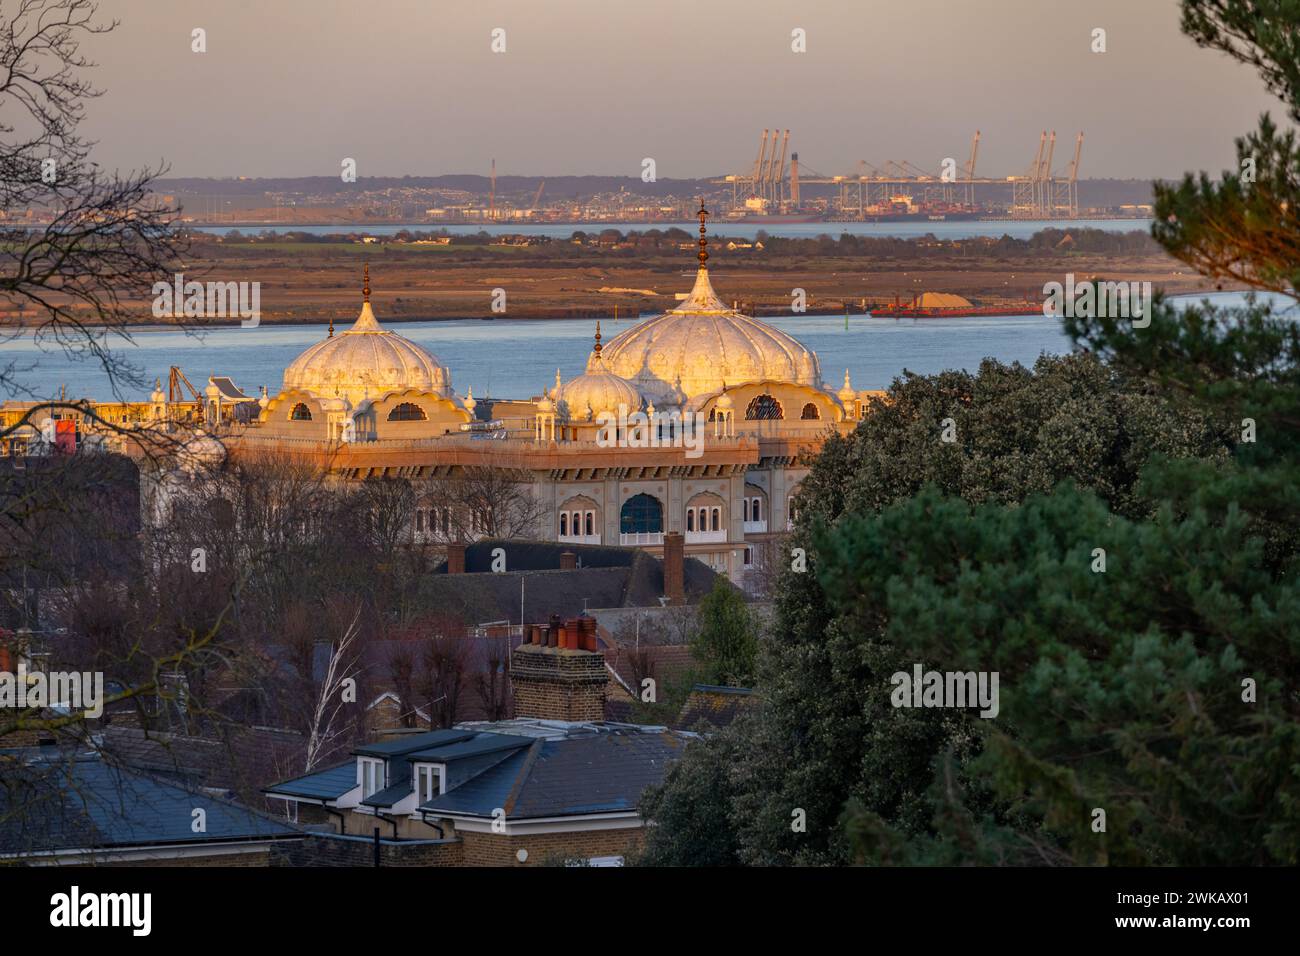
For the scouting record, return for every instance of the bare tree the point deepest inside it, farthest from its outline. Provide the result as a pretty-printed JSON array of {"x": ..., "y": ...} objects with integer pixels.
[
  {"x": 440, "y": 668},
  {"x": 340, "y": 675},
  {"x": 106, "y": 240},
  {"x": 492, "y": 680}
]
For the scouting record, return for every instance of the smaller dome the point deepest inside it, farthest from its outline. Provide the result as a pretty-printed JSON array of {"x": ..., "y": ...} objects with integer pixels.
[
  {"x": 596, "y": 390},
  {"x": 847, "y": 394},
  {"x": 724, "y": 401},
  {"x": 544, "y": 404},
  {"x": 469, "y": 402},
  {"x": 157, "y": 396},
  {"x": 200, "y": 453}
]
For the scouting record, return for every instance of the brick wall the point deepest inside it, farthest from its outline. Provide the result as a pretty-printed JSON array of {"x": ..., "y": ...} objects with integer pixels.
[
  {"x": 331, "y": 849},
  {"x": 259, "y": 858},
  {"x": 501, "y": 849},
  {"x": 556, "y": 684}
]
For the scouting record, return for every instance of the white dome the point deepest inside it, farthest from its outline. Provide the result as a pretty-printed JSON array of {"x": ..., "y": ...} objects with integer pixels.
[
  {"x": 697, "y": 347},
  {"x": 598, "y": 390},
  {"x": 366, "y": 361}
]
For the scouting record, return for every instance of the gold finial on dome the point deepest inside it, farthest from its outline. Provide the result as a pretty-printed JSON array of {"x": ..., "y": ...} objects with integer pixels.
[
  {"x": 597, "y": 350},
  {"x": 703, "y": 255},
  {"x": 365, "y": 287}
]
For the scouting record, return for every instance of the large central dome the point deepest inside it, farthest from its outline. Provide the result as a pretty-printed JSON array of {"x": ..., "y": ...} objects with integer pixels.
[
  {"x": 702, "y": 345},
  {"x": 366, "y": 361}
]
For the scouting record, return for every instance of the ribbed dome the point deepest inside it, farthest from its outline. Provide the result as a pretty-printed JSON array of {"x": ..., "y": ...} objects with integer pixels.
[
  {"x": 599, "y": 390},
  {"x": 366, "y": 361},
  {"x": 702, "y": 344}
]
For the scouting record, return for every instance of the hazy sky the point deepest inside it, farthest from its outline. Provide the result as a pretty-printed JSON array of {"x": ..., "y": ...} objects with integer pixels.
[{"x": 291, "y": 87}]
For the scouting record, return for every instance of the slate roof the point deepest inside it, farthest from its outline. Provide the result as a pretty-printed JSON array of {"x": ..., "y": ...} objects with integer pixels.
[
  {"x": 600, "y": 771},
  {"x": 529, "y": 768},
  {"x": 328, "y": 784},
  {"x": 238, "y": 760},
  {"x": 390, "y": 795},
  {"x": 608, "y": 577},
  {"x": 57, "y": 800}
]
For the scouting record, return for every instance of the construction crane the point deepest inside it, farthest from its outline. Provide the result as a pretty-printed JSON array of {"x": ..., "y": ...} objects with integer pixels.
[
  {"x": 174, "y": 379},
  {"x": 492, "y": 193},
  {"x": 538, "y": 197}
]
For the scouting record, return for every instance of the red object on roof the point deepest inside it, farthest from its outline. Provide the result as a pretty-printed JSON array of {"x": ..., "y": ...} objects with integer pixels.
[{"x": 65, "y": 436}]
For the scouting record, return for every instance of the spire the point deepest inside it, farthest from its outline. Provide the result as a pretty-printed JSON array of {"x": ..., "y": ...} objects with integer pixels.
[
  {"x": 365, "y": 287},
  {"x": 597, "y": 337},
  {"x": 557, "y": 383},
  {"x": 703, "y": 254}
]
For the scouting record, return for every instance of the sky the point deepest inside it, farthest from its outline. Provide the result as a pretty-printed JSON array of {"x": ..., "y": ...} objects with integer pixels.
[{"x": 412, "y": 87}]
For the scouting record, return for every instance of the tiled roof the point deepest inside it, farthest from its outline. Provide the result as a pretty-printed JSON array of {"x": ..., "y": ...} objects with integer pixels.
[
  {"x": 64, "y": 801},
  {"x": 591, "y": 769},
  {"x": 238, "y": 760},
  {"x": 328, "y": 784}
]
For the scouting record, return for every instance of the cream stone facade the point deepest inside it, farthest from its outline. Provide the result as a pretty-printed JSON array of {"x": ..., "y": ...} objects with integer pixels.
[{"x": 699, "y": 420}]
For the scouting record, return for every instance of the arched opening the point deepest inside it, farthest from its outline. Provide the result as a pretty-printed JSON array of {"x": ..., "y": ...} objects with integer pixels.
[
  {"x": 641, "y": 515},
  {"x": 579, "y": 520},
  {"x": 407, "y": 412},
  {"x": 764, "y": 408},
  {"x": 810, "y": 413},
  {"x": 300, "y": 413}
]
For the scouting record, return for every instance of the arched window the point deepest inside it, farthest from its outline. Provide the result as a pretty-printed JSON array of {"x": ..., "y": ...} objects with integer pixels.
[
  {"x": 407, "y": 412},
  {"x": 564, "y": 524},
  {"x": 641, "y": 514},
  {"x": 744, "y": 506},
  {"x": 300, "y": 413},
  {"x": 810, "y": 413},
  {"x": 717, "y": 519},
  {"x": 756, "y": 510},
  {"x": 764, "y": 408},
  {"x": 590, "y": 523}
]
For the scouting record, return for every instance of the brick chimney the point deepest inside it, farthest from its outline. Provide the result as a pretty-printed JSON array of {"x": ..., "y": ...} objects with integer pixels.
[
  {"x": 456, "y": 557},
  {"x": 554, "y": 683},
  {"x": 674, "y": 567},
  {"x": 568, "y": 560}
]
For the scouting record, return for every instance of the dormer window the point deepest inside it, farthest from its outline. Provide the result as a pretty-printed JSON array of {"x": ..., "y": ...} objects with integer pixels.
[
  {"x": 372, "y": 776},
  {"x": 428, "y": 781}
]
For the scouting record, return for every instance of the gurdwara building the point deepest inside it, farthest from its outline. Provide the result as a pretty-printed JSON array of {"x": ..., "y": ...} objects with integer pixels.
[{"x": 700, "y": 420}]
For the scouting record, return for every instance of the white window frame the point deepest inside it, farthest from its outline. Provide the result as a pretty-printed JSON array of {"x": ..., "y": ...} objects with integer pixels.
[
  {"x": 429, "y": 771},
  {"x": 371, "y": 770}
]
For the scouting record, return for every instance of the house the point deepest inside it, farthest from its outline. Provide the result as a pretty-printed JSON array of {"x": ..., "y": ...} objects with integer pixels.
[
  {"x": 555, "y": 784},
  {"x": 64, "y": 805}
]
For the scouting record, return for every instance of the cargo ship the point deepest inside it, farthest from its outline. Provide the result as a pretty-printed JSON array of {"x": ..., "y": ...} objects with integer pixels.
[{"x": 775, "y": 219}]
